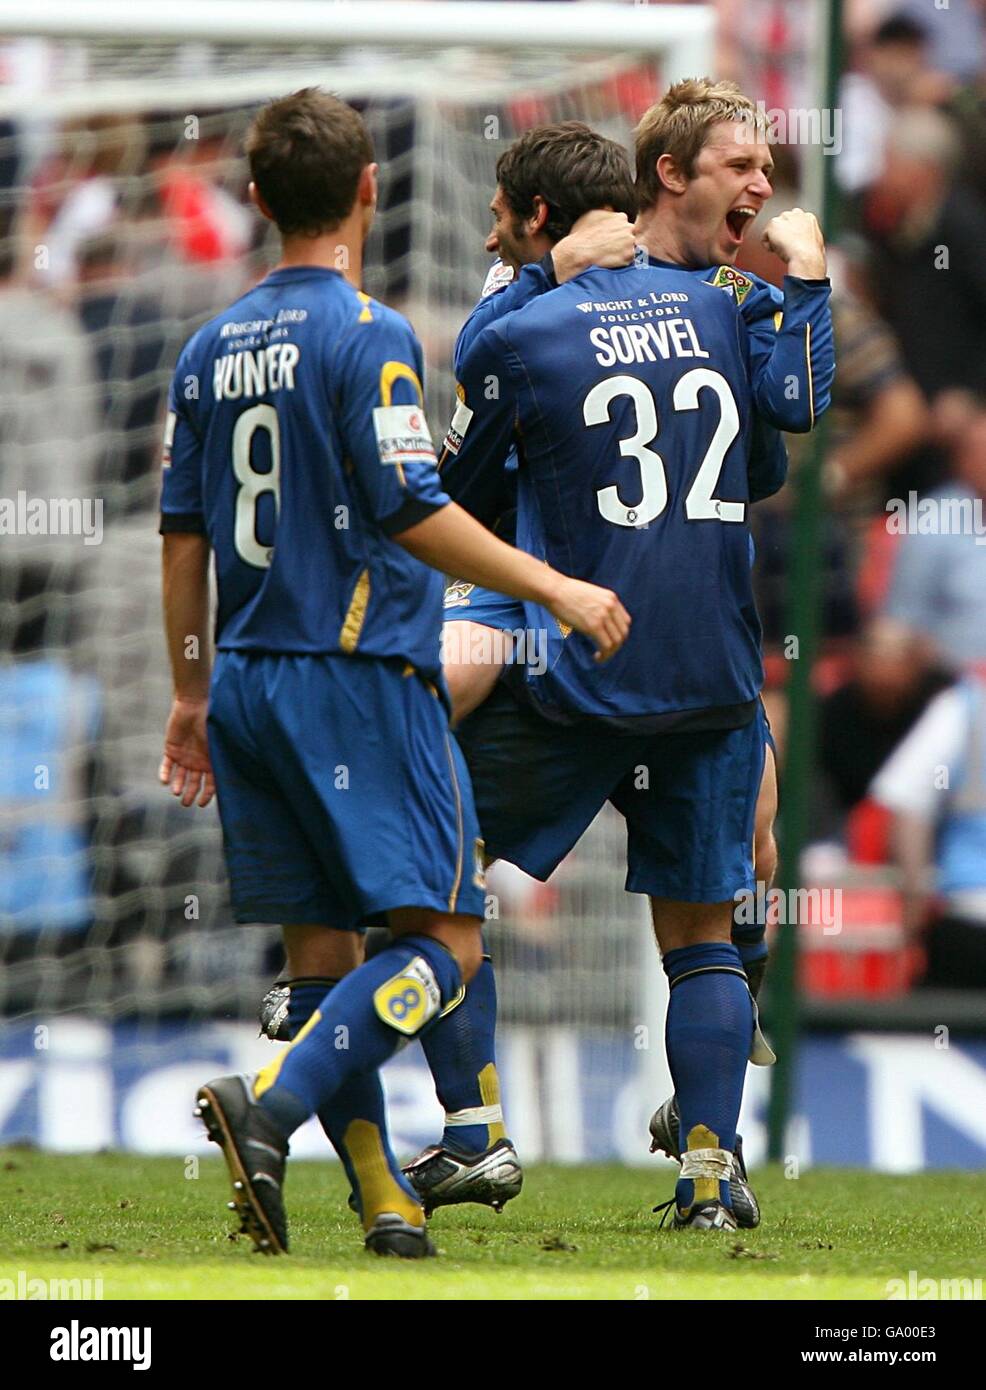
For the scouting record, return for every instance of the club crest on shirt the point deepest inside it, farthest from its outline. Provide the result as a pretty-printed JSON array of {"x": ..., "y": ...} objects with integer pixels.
[
  {"x": 457, "y": 594},
  {"x": 728, "y": 278}
]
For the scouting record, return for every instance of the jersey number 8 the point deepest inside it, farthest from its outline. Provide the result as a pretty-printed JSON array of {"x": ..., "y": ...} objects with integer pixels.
[{"x": 253, "y": 485}]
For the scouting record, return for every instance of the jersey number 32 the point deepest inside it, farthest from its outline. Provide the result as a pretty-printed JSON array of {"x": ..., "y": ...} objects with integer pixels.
[{"x": 700, "y": 504}]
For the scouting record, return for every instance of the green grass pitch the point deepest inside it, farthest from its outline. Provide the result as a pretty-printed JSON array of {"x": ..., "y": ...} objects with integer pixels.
[{"x": 149, "y": 1232}]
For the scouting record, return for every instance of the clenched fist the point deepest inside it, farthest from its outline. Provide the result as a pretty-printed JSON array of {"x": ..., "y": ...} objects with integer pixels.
[{"x": 797, "y": 238}]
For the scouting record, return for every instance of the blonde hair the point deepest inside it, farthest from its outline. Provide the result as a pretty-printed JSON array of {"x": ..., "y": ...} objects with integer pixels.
[{"x": 679, "y": 125}]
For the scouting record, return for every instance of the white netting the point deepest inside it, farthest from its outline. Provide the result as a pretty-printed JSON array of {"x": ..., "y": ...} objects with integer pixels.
[{"x": 124, "y": 226}]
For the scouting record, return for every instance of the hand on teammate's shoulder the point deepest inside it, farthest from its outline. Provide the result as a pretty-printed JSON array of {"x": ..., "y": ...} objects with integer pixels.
[{"x": 600, "y": 237}]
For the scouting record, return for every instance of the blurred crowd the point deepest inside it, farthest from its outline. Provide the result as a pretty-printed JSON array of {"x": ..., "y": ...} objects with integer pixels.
[
  {"x": 119, "y": 234},
  {"x": 899, "y": 676}
]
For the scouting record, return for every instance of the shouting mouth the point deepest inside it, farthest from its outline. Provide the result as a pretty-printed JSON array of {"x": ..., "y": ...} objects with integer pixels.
[{"x": 738, "y": 220}]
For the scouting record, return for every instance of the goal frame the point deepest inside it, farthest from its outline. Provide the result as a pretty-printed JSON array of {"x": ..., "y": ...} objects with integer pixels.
[{"x": 682, "y": 36}]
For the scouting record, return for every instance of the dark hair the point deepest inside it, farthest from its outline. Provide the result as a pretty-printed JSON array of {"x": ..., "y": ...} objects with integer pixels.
[
  {"x": 306, "y": 154},
  {"x": 572, "y": 168},
  {"x": 900, "y": 28}
]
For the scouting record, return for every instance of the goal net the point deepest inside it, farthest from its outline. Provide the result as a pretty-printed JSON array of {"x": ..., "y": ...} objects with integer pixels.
[{"x": 123, "y": 226}]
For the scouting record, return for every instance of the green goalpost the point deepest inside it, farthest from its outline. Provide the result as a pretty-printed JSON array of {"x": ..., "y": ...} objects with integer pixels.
[{"x": 803, "y": 607}]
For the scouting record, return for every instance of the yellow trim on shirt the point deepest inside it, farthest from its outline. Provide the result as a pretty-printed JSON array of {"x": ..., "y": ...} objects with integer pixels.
[
  {"x": 352, "y": 624},
  {"x": 453, "y": 896},
  {"x": 398, "y": 371}
]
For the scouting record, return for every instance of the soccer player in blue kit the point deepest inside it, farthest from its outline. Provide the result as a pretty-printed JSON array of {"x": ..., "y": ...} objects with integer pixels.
[
  {"x": 701, "y": 174},
  {"x": 297, "y": 454},
  {"x": 635, "y": 447}
]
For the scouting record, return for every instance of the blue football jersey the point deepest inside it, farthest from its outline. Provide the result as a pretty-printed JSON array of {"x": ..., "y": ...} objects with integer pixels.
[
  {"x": 792, "y": 352},
  {"x": 296, "y": 440},
  {"x": 628, "y": 395}
]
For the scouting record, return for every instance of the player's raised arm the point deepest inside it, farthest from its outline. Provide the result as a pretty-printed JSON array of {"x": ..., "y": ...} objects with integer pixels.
[{"x": 792, "y": 346}]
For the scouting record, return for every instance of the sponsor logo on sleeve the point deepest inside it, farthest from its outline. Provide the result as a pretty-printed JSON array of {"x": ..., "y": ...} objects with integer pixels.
[
  {"x": 169, "y": 438},
  {"x": 458, "y": 424},
  {"x": 499, "y": 276},
  {"x": 402, "y": 435}
]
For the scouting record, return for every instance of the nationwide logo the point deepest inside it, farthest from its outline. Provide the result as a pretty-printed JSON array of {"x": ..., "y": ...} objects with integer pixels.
[{"x": 402, "y": 435}]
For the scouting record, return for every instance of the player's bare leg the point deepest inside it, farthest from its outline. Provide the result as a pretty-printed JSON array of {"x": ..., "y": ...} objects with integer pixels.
[
  {"x": 460, "y": 935},
  {"x": 709, "y": 1029},
  {"x": 313, "y": 955},
  {"x": 319, "y": 950},
  {"x": 445, "y": 1174},
  {"x": 469, "y": 681}
]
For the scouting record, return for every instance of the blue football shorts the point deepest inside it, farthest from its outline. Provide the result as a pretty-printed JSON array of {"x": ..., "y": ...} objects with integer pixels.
[
  {"x": 689, "y": 798},
  {"x": 471, "y": 603},
  {"x": 341, "y": 791}
]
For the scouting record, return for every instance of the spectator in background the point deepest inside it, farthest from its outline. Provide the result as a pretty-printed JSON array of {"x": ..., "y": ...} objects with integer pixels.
[
  {"x": 938, "y": 586},
  {"x": 206, "y": 222},
  {"x": 935, "y": 787},
  {"x": 879, "y": 415},
  {"x": 926, "y": 235},
  {"x": 893, "y": 72},
  {"x": 75, "y": 195},
  {"x": 195, "y": 233},
  {"x": 862, "y": 721},
  {"x": 955, "y": 31},
  {"x": 125, "y": 330},
  {"x": 48, "y": 429},
  {"x": 877, "y": 419}
]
